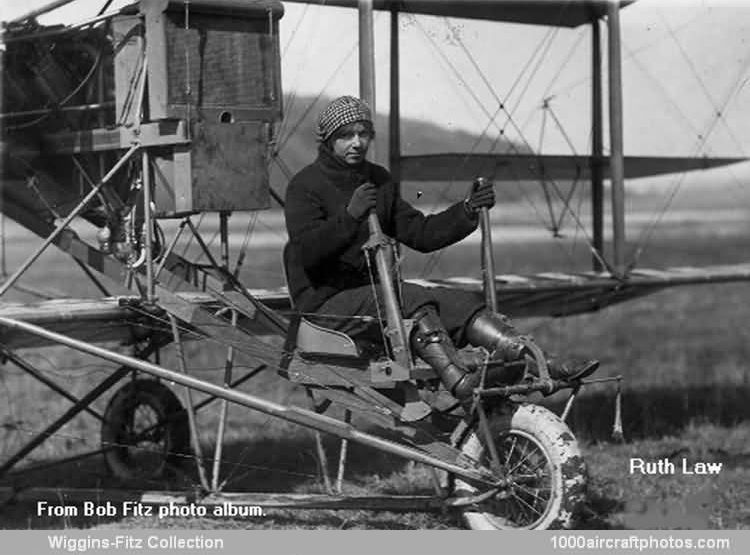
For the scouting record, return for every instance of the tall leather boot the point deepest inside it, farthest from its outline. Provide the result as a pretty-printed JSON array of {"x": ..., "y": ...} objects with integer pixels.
[
  {"x": 495, "y": 333},
  {"x": 431, "y": 342}
]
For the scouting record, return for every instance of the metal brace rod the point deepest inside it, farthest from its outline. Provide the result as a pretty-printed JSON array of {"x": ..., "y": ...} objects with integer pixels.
[
  {"x": 228, "y": 366},
  {"x": 202, "y": 244},
  {"x": 484, "y": 425},
  {"x": 36, "y": 374},
  {"x": 569, "y": 402},
  {"x": 488, "y": 260},
  {"x": 478, "y": 475},
  {"x": 87, "y": 399},
  {"x": 40, "y": 10},
  {"x": 320, "y": 449},
  {"x": 342, "y": 455},
  {"x": 224, "y": 234},
  {"x": 64, "y": 225},
  {"x": 148, "y": 225},
  {"x": 170, "y": 249},
  {"x": 190, "y": 406}
]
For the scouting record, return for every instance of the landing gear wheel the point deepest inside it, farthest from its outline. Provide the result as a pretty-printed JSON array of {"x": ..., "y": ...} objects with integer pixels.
[
  {"x": 541, "y": 458},
  {"x": 148, "y": 429}
]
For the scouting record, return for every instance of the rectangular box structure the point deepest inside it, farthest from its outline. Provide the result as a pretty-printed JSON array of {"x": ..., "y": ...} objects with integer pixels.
[{"x": 216, "y": 65}]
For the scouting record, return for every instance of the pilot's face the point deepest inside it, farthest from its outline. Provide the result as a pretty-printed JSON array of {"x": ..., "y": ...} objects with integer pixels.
[{"x": 350, "y": 142}]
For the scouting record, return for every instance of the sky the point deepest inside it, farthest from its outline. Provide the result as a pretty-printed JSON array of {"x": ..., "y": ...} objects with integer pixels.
[{"x": 684, "y": 62}]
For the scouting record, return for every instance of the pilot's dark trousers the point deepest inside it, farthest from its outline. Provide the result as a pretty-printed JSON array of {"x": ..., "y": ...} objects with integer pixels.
[{"x": 344, "y": 311}]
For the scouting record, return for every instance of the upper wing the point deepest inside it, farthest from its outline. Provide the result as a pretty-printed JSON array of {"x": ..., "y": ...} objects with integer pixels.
[{"x": 558, "y": 13}]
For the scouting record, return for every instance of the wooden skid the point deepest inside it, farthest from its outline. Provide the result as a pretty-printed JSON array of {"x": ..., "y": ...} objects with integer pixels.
[{"x": 118, "y": 498}]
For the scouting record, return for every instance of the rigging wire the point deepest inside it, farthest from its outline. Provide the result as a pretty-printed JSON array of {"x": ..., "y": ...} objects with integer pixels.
[
  {"x": 266, "y": 353},
  {"x": 510, "y": 121},
  {"x": 267, "y": 418},
  {"x": 456, "y": 73},
  {"x": 105, "y": 7},
  {"x": 684, "y": 118},
  {"x": 245, "y": 243},
  {"x": 64, "y": 101},
  {"x": 68, "y": 437},
  {"x": 557, "y": 225},
  {"x": 709, "y": 97},
  {"x": 542, "y": 181},
  {"x": 291, "y": 98},
  {"x": 646, "y": 46},
  {"x": 433, "y": 260},
  {"x": 566, "y": 60},
  {"x": 719, "y": 111},
  {"x": 309, "y": 108},
  {"x": 648, "y": 231}
]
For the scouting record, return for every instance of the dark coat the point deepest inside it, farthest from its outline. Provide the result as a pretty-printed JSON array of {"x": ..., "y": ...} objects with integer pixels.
[{"x": 325, "y": 255}]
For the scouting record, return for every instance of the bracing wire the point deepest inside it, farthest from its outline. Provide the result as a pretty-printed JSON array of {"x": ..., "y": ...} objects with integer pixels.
[
  {"x": 309, "y": 108},
  {"x": 704, "y": 88},
  {"x": 18, "y": 427},
  {"x": 702, "y": 137},
  {"x": 64, "y": 101},
  {"x": 291, "y": 98},
  {"x": 433, "y": 259},
  {"x": 501, "y": 107},
  {"x": 264, "y": 352}
]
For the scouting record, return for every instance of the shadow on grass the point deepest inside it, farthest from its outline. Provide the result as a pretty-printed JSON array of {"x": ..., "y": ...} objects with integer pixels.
[
  {"x": 288, "y": 463},
  {"x": 597, "y": 511},
  {"x": 656, "y": 411}
]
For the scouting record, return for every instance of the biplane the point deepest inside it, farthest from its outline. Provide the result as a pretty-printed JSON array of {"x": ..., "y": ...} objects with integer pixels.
[{"x": 144, "y": 117}]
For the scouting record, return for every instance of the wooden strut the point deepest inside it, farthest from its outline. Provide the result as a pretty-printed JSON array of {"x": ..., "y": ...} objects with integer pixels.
[
  {"x": 64, "y": 225},
  {"x": 228, "y": 367},
  {"x": 378, "y": 242},
  {"x": 342, "y": 455},
  {"x": 7, "y": 354},
  {"x": 488, "y": 260},
  {"x": 617, "y": 170},
  {"x": 320, "y": 449},
  {"x": 190, "y": 406},
  {"x": 392, "y": 503},
  {"x": 77, "y": 408},
  {"x": 220, "y": 330},
  {"x": 85, "y": 401},
  {"x": 143, "y": 433}
]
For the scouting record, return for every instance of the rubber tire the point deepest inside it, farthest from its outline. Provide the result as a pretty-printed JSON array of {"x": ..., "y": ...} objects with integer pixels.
[
  {"x": 172, "y": 430},
  {"x": 555, "y": 441}
]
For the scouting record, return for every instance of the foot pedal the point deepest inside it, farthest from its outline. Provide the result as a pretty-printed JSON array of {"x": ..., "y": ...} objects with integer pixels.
[
  {"x": 583, "y": 371},
  {"x": 415, "y": 410}
]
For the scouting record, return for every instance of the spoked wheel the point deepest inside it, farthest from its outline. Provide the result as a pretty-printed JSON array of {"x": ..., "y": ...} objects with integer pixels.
[
  {"x": 146, "y": 429},
  {"x": 540, "y": 457}
]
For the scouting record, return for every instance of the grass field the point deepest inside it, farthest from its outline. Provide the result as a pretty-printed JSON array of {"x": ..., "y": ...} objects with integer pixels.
[{"x": 683, "y": 354}]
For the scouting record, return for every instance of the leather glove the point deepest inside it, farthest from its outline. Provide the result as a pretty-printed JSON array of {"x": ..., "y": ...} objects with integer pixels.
[
  {"x": 482, "y": 195},
  {"x": 363, "y": 200}
]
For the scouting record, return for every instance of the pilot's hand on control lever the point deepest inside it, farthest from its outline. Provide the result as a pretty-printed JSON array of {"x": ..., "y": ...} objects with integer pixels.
[
  {"x": 363, "y": 200},
  {"x": 482, "y": 195}
]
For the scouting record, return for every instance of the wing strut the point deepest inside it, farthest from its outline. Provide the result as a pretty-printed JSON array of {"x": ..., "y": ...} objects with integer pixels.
[
  {"x": 597, "y": 147},
  {"x": 615, "y": 137}
]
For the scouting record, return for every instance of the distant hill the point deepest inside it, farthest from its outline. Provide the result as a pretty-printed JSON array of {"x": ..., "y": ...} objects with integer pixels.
[
  {"x": 299, "y": 148},
  {"x": 698, "y": 190}
]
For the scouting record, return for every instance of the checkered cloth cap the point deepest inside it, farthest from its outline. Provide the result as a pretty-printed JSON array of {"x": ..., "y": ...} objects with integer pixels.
[{"x": 342, "y": 111}]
